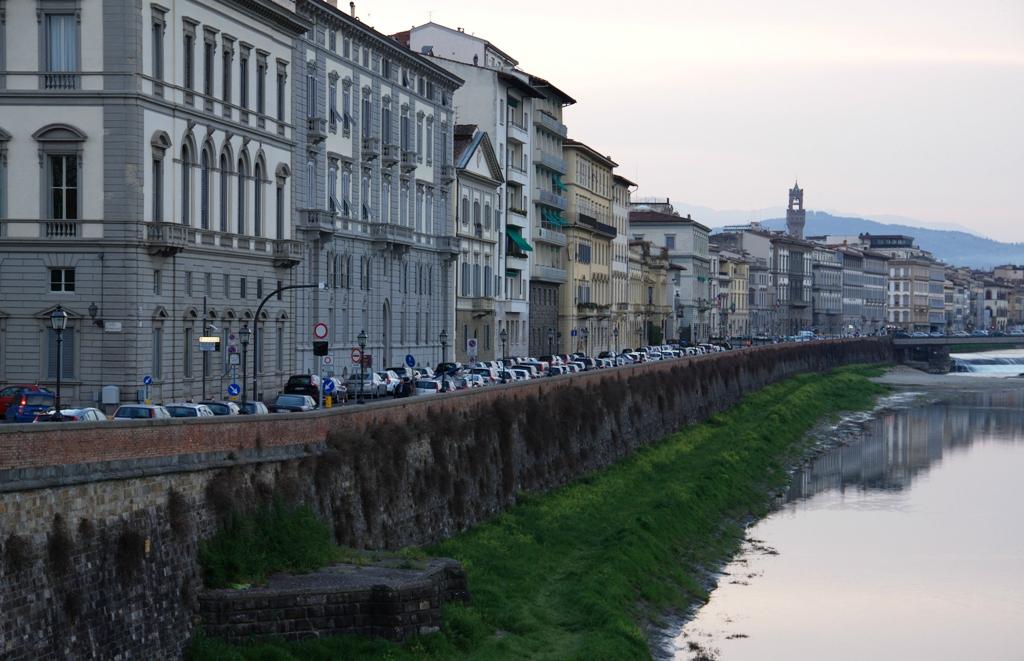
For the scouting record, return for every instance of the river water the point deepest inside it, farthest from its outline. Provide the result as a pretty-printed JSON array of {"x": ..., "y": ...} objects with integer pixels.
[{"x": 905, "y": 543}]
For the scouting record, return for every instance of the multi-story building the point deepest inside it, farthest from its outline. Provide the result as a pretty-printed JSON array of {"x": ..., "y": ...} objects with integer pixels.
[
  {"x": 853, "y": 320},
  {"x": 499, "y": 100},
  {"x": 755, "y": 242},
  {"x": 478, "y": 183},
  {"x": 792, "y": 277},
  {"x": 585, "y": 307},
  {"x": 732, "y": 300},
  {"x": 373, "y": 168},
  {"x": 827, "y": 296},
  {"x": 876, "y": 286},
  {"x": 150, "y": 148},
  {"x": 1009, "y": 273},
  {"x": 916, "y": 295},
  {"x": 996, "y": 305},
  {"x": 649, "y": 314},
  {"x": 621, "y": 191},
  {"x": 686, "y": 241},
  {"x": 548, "y": 273},
  {"x": 796, "y": 215}
]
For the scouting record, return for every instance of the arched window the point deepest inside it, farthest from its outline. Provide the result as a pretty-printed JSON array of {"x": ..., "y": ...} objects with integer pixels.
[
  {"x": 243, "y": 174},
  {"x": 257, "y": 201},
  {"x": 186, "y": 184},
  {"x": 223, "y": 193},
  {"x": 204, "y": 189}
]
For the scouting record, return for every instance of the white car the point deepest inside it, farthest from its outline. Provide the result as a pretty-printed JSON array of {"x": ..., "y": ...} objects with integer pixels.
[
  {"x": 73, "y": 415},
  {"x": 140, "y": 412},
  {"x": 428, "y": 387},
  {"x": 188, "y": 410}
]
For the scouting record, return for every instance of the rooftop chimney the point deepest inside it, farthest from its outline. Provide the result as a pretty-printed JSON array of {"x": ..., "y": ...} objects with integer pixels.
[{"x": 352, "y": 9}]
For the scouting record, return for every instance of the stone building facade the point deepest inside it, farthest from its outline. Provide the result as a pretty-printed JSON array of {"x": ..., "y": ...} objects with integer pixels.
[
  {"x": 150, "y": 146},
  {"x": 373, "y": 172}
]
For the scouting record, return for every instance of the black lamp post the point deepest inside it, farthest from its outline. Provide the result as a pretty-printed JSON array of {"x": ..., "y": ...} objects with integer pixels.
[
  {"x": 244, "y": 335},
  {"x": 59, "y": 321},
  {"x": 551, "y": 341},
  {"x": 362, "y": 364},
  {"x": 504, "y": 340},
  {"x": 615, "y": 334},
  {"x": 444, "y": 344},
  {"x": 585, "y": 333}
]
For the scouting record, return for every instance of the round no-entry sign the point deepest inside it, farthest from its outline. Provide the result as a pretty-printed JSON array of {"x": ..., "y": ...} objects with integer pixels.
[
  {"x": 328, "y": 360},
  {"x": 320, "y": 330},
  {"x": 357, "y": 356}
]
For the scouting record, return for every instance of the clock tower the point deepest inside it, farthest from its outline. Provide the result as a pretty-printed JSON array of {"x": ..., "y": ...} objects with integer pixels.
[{"x": 795, "y": 214}]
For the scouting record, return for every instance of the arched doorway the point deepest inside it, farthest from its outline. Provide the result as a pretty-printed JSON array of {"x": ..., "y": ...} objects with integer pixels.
[{"x": 386, "y": 358}]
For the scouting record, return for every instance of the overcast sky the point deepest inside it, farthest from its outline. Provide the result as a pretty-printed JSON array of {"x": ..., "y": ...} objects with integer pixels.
[{"x": 906, "y": 107}]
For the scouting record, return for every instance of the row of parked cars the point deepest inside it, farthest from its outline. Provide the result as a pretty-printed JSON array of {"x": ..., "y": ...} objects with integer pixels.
[{"x": 304, "y": 392}]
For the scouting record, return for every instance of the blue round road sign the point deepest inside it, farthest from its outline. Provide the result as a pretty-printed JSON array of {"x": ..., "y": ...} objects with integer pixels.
[
  {"x": 329, "y": 386},
  {"x": 409, "y": 360},
  {"x": 147, "y": 380},
  {"x": 234, "y": 389}
]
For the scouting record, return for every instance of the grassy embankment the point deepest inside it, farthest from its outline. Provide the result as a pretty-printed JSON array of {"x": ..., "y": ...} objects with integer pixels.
[{"x": 571, "y": 574}]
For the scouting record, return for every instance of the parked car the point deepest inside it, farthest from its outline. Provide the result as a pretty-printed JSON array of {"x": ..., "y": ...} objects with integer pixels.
[
  {"x": 222, "y": 408},
  {"x": 28, "y": 405},
  {"x": 73, "y": 415},
  {"x": 9, "y": 393},
  {"x": 474, "y": 380},
  {"x": 372, "y": 385},
  {"x": 428, "y": 387},
  {"x": 293, "y": 404},
  {"x": 140, "y": 412},
  {"x": 189, "y": 410},
  {"x": 391, "y": 379},
  {"x": 303, "y": 384},
  {"x": 253, "y": 408}
]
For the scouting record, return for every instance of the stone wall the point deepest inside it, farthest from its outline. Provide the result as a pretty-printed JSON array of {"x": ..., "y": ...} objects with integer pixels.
[
  {"x": 368, "y": 601},
  {"x": 100, "y": 529}
]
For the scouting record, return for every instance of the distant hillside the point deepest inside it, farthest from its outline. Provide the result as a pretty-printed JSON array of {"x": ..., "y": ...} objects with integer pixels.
[{"x": 952, "y": 247}]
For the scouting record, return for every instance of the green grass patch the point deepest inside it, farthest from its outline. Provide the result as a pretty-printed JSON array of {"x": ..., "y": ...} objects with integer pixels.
[
  {"x": 274, "y": 538},
  {"x": 571, "y": 574}
]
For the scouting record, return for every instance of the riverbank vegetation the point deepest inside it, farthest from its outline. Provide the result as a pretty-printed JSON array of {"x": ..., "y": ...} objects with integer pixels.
[{"x": 575, "y": 573}]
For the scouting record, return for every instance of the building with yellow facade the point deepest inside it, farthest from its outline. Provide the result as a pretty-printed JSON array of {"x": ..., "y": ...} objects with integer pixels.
[{"x": 585, "y": 306}]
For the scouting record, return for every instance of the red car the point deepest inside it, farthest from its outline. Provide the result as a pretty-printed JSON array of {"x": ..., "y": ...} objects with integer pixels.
[{"x": 9, "y": 393}]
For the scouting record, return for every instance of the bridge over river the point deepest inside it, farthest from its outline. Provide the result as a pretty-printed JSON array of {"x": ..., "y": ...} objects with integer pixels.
[{"x": 932, "y": 353}]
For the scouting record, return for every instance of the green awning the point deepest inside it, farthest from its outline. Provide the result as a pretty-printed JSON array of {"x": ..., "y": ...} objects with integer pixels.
[
  {"x": 516, "y": 235},
  {"x": 553, "y": 218},
  {"x": 513, "y": 102},
  {"x": 557, "y": 181},
  {"x": 512, "y": 273}
]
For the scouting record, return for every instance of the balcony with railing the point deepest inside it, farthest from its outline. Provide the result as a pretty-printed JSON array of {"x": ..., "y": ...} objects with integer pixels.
[
  {"x": 166, "y": 239},
  {"x": 596, "y": 225},
  {"x": 287, "y": 253},
  {"x": 517, "y": 131},
  {"x": 550, "y": 161},
  {"x": 394, "y": 236},
  {"x": 60, "y": 80},
  {"x": 548, "y": 198},
  {"x": 409, "y": 160},
  {"x": 316, "y": 130},
  {"x": 390, "y": 154},
  {"x": 371, "y": 148},
  {"x": 542, "y": 119},
  {"x": 548, "y": 273},
  {"x": 548, "y": 234},
  {"x": 447, "y": 173},
  {"x": 316, "y": 220}
]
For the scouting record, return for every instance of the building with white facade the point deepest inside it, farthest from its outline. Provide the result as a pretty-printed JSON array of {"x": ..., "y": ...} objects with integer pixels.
[
  {"x": 146, "y": 188},
  {"x": 373, "y": 176},
  {"x": 497, "y": 98}
]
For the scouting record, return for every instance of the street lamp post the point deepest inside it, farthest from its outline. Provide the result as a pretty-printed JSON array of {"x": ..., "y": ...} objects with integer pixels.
[
  {"x": 615, "y": 334},
  {"x": 551, "y": 341},
  {"x": 259, "y": 338},
  {"x": 585, "y": 333},
  {"x": 244, "y": 335},
  {"x": 59, "y": 321},
  {"x": 444, "y": 345},
  {"x": 362, "y": 364},
  {"x": 504, "y": 348}
]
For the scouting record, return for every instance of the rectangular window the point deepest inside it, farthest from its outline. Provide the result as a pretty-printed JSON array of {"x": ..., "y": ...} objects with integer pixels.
[
  {"x": 67, "y": 351},
  {"x": 670, "y": 241},
  {"x": 158, "y": 350},
  {"x": 208, "y": 284},
  {"x": 430, "y": 143},
  {"x": 61, "y": 42},
  {"x": 187, "y": 338},
  {"x": 261, "y": 88},
  {"x": 310, "y": 95},
  {"x": 208, "y": 50},
  {"x": 158, "y": 190},
  {"x": 332, "y": 98},
  {"x": 419, "y": 139},
  {"x": 332, "y": 40},
  {"x": 280, "y": 96},
  {"x": 241, "y": 287},
  {"x": 158, "y": 50},
  {"x": 63, "y": 186},
  {"x": 62, "y": 280},
  {"x": 188, "y": 283},
  {"x": 226, "y": 82},
  {"x": 243, "y": 81},
  {"x": 189, "y": 62},
  {"x": 346, "y": 109},
  {"x": 278, "y": 290},
  {"x": 157, "y": 281},
  {"x": 346, "y": 48},
  {"x": 227, "y": 285}
]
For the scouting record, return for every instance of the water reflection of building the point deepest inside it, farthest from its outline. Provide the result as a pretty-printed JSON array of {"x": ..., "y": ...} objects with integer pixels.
[{"x": 899, "y": 445}]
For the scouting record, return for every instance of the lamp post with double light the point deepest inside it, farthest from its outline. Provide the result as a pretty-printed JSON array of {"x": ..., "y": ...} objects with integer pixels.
[
  {"x": 59, "y": 322},
  {"x": 362, "y": 365},
  {"x": 244, "y": 335}
]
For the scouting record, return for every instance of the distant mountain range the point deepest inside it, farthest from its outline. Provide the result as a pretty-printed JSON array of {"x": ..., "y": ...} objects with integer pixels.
[{"x": 955, "y": 247}]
